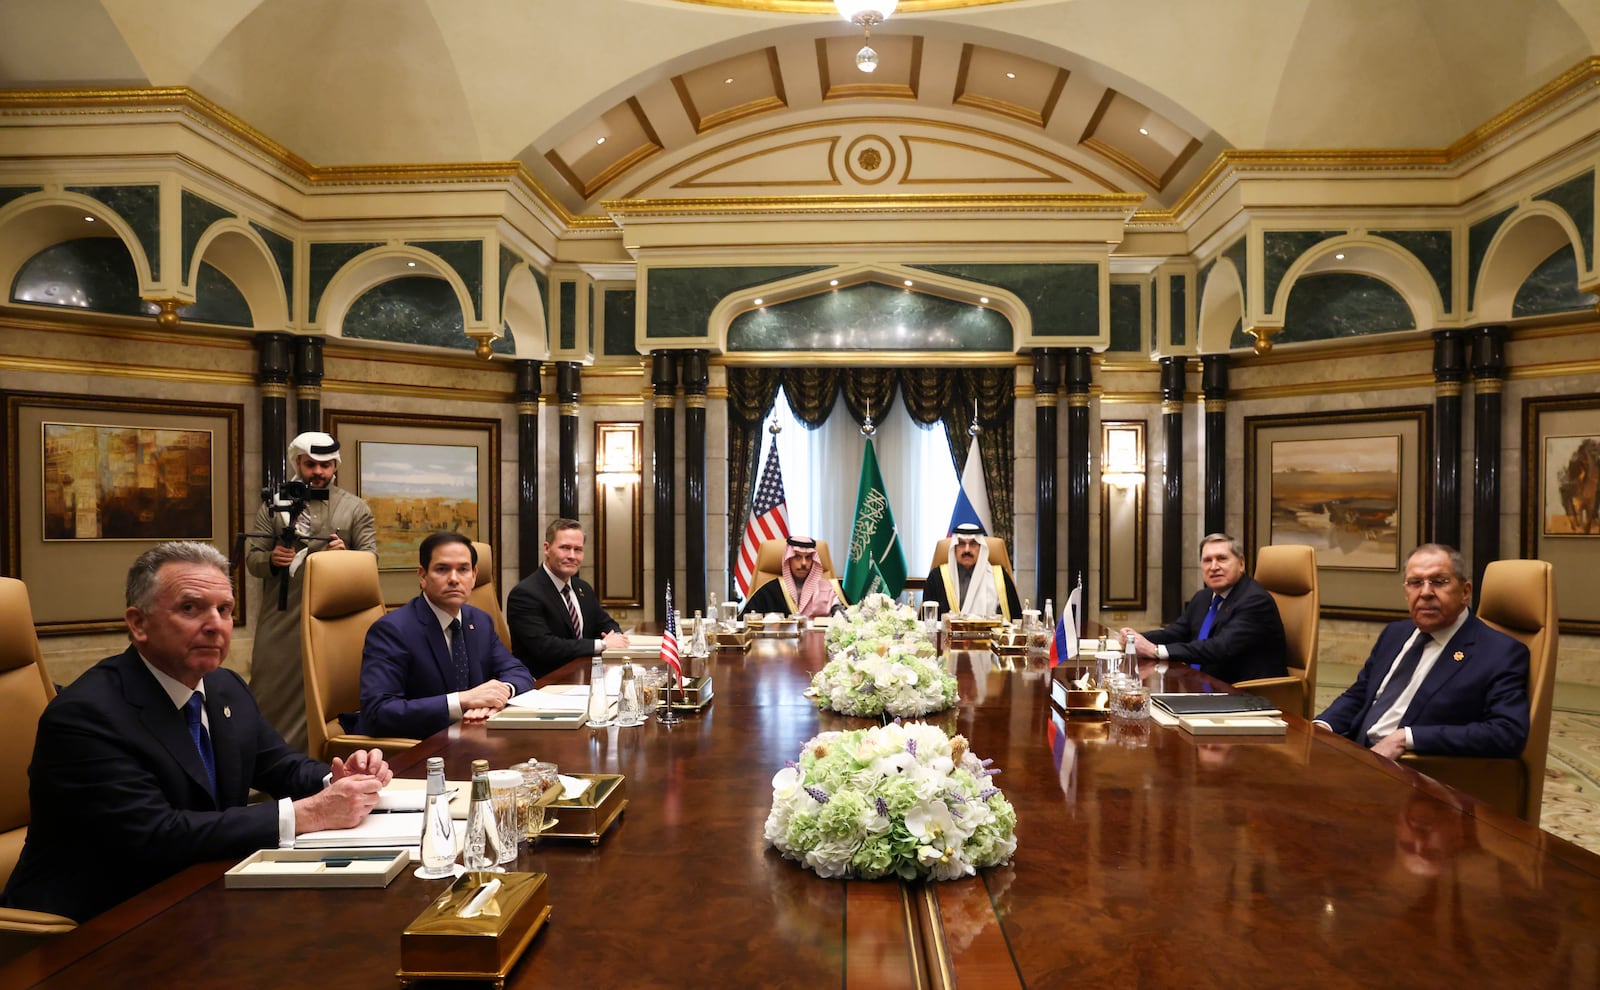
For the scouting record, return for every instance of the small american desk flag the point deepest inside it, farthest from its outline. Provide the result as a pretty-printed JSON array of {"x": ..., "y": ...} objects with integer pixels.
[
  {"x": 669, "y": 639},
  {"x": 769, "y": 520}
]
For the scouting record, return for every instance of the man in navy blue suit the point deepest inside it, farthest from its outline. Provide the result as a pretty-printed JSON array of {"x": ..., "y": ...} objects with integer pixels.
[
  {"x": 1441, "y": 682},
  {"x": 436, "y": 659}
]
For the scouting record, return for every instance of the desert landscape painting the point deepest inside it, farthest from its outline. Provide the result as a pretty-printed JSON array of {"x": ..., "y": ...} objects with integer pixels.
[
  {"x": 415, "y": 489},
  {"x": 1340, "y": 496}
]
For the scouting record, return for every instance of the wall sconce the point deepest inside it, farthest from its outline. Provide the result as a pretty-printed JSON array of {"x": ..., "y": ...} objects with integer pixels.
[
  {"x": 1122, "y": 454},
  {"x": 618, "y": 549},
  {"x": 1122, "y": 516},
  {"x": 616, "y": 448}
]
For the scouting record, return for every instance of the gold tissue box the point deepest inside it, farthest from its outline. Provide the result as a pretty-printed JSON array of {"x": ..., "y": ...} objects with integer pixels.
[
  {"x": 591, "y": 813},
  {"x": 439, "y": 944},
  {"x": 773, "y": 625}
]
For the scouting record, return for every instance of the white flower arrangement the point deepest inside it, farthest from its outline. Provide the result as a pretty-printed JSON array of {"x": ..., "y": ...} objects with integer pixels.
[
  {"x": 901, "y": 800},
  {"x": 881, "y": 662}
]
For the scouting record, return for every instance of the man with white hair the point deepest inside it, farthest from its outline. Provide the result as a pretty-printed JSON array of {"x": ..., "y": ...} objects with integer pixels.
[
  {"x": 970, "y": 581},
  {"x": 801, "y": 588},
  {"x": 326, "y": 518}
]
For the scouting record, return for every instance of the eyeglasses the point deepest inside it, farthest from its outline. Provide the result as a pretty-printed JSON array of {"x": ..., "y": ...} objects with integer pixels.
[{"x": 1436, "y": 583}]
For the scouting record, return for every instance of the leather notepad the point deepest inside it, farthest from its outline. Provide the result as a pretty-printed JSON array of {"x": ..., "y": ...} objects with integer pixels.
[{"x": 1215, "y": 704}]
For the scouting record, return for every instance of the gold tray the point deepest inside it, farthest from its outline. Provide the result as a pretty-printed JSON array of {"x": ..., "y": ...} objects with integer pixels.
[
  {"x": 439, "y": 945},
  {"x": 783, "y": 626},
  {"x": 589, "y": 816},
  {"x": 733, "y": 640}
]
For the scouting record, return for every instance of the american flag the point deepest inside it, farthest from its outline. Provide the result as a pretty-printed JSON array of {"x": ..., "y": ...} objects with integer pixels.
[
  {"x": 769, "y": 520},
  {"x": 669, "y": 640}
]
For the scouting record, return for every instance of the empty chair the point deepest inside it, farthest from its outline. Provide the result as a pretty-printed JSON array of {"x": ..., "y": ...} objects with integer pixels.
[
  {"x": 1290, "y": 574},
  {"x": 340, "y": 601},
  {"x": 486, "y": 592}
]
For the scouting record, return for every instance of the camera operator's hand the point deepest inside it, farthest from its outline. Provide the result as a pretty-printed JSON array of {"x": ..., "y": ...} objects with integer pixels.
[{"x": 282, "y": 556}]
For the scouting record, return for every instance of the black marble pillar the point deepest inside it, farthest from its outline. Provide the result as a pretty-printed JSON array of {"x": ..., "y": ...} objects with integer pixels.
[
  {"x": 1077, "y": 376},
  {"x": 664, "y": 378},
  {"x": 1173, "y": 372},
  {"x": 1214, "y": 389},
  {"x": 273, "y": 357},
  {"x": 567, "y": 386},
  {"x": 307, "y": 384},
  {"x": 696, "y": 378},
  {"x": 530, "y": 536},
  {"x": 1046, "y": 389},
  {"x": 1488, "y": 381},
  {"x": 1449, "y": 372}
]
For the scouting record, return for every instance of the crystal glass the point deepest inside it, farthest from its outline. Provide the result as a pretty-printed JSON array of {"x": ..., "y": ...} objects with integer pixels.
[
  {"x": 503, "y": 786},
  {"x": 930, "y": 619}
]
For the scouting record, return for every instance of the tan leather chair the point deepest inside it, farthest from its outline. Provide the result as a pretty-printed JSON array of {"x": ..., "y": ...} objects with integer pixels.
[
  {"x": 486, "y": 593},
  {"x": 770, "y": 557},
  {"x": 1518, "y": 598},
  {"x": 25, "y": 689},
  {"x": 340, "y": 601},
  {"x": 1290, "y": 574},
  {"x": 997, "y": 554}
]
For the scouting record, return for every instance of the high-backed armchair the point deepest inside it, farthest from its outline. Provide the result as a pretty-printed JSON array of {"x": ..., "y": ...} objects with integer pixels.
[
  {"x": 1518, "y": 597},
  {"x": 341, "y": 599},
  {"x": 486, "y": 593},
  {"x": 997, "y": 554},
  {"x": 770, "y": 557},
  {"x": 1290, "y": 574},
  {"x": 25, "y": 689}
]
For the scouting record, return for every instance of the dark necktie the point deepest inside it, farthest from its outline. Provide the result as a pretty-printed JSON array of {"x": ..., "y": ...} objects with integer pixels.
[
  {"x": 202, "y": 738},
  {"x": 1211, "y": 617},
  {"x": 572, "y": 612},
  {"x": 458, "y": 654},
  {"x": 1398, "y": 681}
]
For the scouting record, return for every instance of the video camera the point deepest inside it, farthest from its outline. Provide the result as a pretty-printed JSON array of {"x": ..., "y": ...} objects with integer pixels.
[{"x": 290, "y": 498}]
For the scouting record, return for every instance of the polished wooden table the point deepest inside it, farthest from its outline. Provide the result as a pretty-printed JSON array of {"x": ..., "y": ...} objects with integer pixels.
[{"x": 1144, "y": 859}]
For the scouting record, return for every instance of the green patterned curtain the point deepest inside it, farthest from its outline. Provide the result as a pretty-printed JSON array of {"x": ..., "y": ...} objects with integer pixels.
[
  {"x": 870, "y": 389},
  {"x": 811, "y": 393},
  {"x": 751, "y": 393}
]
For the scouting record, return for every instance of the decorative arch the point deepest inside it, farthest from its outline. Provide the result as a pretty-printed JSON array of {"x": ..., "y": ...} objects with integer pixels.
[
  {"x": 522, "y": 309},
  {"x": 1221, "y": 307},
  {"x": 32, "y": 223},
  {"x": 383, "y": 264},
  {"x": 1529, "y": 236},
  {"x": 235, "y": 249},
  {"x": 1374, "y": 257}
]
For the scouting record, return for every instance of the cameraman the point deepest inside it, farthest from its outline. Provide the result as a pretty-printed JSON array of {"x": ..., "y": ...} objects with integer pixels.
[{"x": 329, "y": 518}]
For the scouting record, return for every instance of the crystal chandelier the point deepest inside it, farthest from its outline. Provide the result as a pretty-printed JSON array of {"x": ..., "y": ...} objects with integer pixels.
[{"x": 867, "y": 14}]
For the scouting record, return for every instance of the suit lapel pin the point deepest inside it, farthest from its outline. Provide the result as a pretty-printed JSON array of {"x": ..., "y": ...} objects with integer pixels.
[
  {"x": 227, "y": 712},
  {"x": 1459, "y": 656}
]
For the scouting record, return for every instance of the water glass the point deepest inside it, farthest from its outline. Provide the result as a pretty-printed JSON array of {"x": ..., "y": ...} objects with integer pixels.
[
  {"x": 503, "y": 786},
  {"x": 1130, "y": 699},
  {"x": 930, "y": 619}
]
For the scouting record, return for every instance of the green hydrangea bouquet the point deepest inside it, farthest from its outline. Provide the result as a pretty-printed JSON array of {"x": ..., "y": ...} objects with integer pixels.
[{"x": 881, "y": 662}]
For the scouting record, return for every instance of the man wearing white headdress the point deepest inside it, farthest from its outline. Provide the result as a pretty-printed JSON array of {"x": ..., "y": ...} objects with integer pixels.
[
  {"x": 331, "y": 519},
  {"x": 971, "y": 580},
  {"x": 801, "y": 588}
]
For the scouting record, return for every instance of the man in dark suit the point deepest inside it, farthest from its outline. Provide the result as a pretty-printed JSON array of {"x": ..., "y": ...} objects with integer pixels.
[
  {"x": 1441, "y": 682},
  {"x": 554, "y": 615},
  {"x": 436, "y": 659},
  {"x": 143, "y": 765},
  {"x": 1231, "y": 629}
]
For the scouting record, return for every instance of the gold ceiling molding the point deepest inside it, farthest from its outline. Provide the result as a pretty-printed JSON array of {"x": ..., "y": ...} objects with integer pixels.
[
  {"x": 825, "y": 8},
  {"x": 140, "y": 372},
  {"x": 1343, "y": 387},
  {"x": 134, "y": 328},
  {"x": 869, "y": 359},
  {"x": 1044, "y": 203}
]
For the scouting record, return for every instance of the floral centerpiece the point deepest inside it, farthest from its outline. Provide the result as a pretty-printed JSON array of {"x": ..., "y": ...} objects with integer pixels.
[
  {"x": 900, "y": 800},
  {"x": 881, "y": 662}
]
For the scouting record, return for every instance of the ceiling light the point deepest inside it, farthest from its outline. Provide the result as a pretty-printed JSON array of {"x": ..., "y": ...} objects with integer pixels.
[
  {"x": 866, "y": 14},
  {"x": 1011, "y": 75},
  {"x": 88, "y": 219},
  {"x": 411, "y": 264},
  {"x": 758, "y": 302},
  {"x": 1339, "y": 256},
  {"x": 908, "y": 283},
  {"x": 1144, "y": 131},
  {"x": 833, "y": 281},
  {"x": 600, "y": 141},
  {"x": 727, "y": 80},
  {"x": 984, "y": 300}
]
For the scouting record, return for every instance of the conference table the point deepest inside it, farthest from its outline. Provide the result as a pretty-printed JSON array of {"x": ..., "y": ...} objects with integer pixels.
[{"x": 1146, "y": 857}]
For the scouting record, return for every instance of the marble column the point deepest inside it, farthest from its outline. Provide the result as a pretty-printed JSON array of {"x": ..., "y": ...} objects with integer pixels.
[
  {"x": 696, "y": 378},
  {"x": 1173, "y": 370},
  {"x": 530, "y": 535},
  {"x": 1046, "y": 419},
  {"x": 307, "y": 383},
  {"x": 272, "y": 375},
  {"x": 664, "y": 377},
  {"x": 1449, "y": 372},
  {"x": 1077, "y": 376},
  {"x": 567, "y": 394},
  {"x": 1214, "y": 389},
  {"x": 1488, "y": 381}
]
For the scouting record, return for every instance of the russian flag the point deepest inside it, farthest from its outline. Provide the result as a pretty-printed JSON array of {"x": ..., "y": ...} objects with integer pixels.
[
  {"x": 1064, "y": 644},
  {"x": 972, "y": 498}
]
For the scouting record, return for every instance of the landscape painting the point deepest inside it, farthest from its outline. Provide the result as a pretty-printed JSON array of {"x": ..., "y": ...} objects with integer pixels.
[
  {"x": 126, "y": 483},
  {"x": 414, "y": 489},
  {"x": 1340, "y": 496},
  {"x": 1571, "y": 486}
]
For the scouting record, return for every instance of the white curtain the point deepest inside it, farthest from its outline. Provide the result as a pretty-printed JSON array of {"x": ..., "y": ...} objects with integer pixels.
[{"x": 822, "y": 472}]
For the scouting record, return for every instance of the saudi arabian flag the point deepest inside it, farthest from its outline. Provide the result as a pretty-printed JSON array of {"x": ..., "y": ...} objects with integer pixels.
[{"x": 876, "y": 561}]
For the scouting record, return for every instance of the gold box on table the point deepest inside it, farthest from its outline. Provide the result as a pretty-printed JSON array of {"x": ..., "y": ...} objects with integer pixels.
[
  {"x": 591, "y": 813},
  {"x": 970, "y": 632},
  {"x": 772, "y": 626},
  {"x": 439, "y": 944},
  {"x": 1067, "y": 696}
]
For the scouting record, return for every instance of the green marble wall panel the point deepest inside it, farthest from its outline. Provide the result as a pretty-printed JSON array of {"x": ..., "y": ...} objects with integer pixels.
[
  {"x": 1239, "y": 254},
  {"x": 88, "y": 273},
  {"x": 140, "y": 208},
  {"x": 1063, "y": 299},
  {"x": 567, "y": 294},
  {"x": 9, "y": 193},
  {"x": 415, "y": 309},
  {"x": 1434, "y": 249},
  {"x": 509, "y": 259},
  {"x": 1576, "y": 197},
  {"x": 1280, "y": 249},
  {"x": 621, "y": 309},
  {"x": 870, "y": 317},
  {"x": 594, "y": 314},
  {"x": 197, "y": 214},
  {"x": 466, "y": 258},
  {"x": 1478, "y": 237},
  {"x": 1178, "y": 312},
  {"x": 1238, "y": 338},
  {"x": 1127, "y": 303},
  {"x": 679, "y": 301},
  {"x": 282, "y": 249},
  {"x": 217, "y": 300},
  {"x": 325, "y": 261},
  {"x": 1337, "y": 305},
  {"x": 1553, "y": 287}
]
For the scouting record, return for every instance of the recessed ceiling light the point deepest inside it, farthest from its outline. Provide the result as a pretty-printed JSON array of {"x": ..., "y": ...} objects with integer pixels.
[
  {"x": 908, "y": 283},
  {"x": 88, "y": 219},
  {"x": 1011, "y": 75},
  {"x": 727, "y": 80},
  {"x": 600, "y": 141},
  {"x": 411, "y": 264},
  {"x": 1144, "y": 131},
  {"x": 758, "y": 302},
  {"x": 833, "y": 281},
  {"x": 1339, "y": 256},
  {"x": 984, "y": 300}
]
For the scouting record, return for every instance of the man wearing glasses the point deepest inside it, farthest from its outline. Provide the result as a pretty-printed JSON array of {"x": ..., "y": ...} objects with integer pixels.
[{"x": 1441, "y": 682}]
